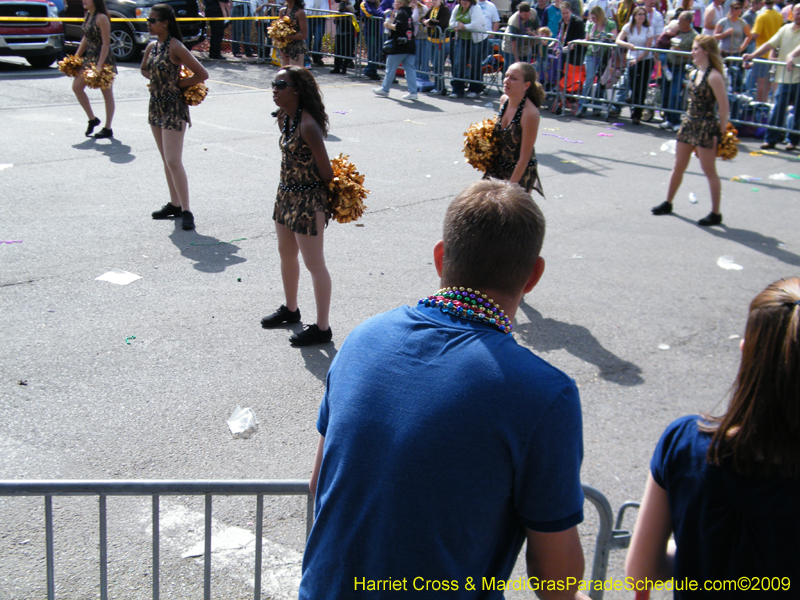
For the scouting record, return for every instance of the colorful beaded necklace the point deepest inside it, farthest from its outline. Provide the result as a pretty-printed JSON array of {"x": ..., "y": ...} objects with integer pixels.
[{"x": 469, "y": 304}]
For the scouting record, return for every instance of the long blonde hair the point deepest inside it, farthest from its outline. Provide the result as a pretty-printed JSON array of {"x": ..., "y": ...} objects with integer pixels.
[{"x": 709, "y": 44}]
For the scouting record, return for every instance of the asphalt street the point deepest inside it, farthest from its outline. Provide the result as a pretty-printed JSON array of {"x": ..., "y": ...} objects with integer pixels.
[{"x": 643, "y": 312}]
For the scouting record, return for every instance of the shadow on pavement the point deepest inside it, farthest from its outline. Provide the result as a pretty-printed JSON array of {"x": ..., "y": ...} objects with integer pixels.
[
  {"x": 545, "y": 335},
  {"x": 116, "y": 151},
  {"x": 209, "y": 254},
  {"x": 318, "y": 359}
]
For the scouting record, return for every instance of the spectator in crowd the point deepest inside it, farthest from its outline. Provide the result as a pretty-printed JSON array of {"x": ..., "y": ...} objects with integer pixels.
[
  {"x": 344, "y": 47},
  {"x": 438, "y": 21},
  {"x": 242, "y": 30},
  {"x": 767, "y": 25},
  {"x": 786, "y": 11},
  {"x": 623, "y": 16},
  {"x": 468, "y": 25},
  {"x": 732, "y": 34},
  {"x": 726, "y": 487},
  {"x": 541, "y": 10},
  {"x": 654, "y": 17},
  {"x": 418, "y": 10},
  {"x": 372, "y": 30},
  {"x": 433, "y": 469},
  {"x": 316, "y": 29},
  {"x": 302, "y": 207},
  {"x": 606, "y": 5},
  {"x": 294, "y": 52},
  {"x": 713, "y": 14},
  {"x": 400, "y": 23},
  {"x": 553, "y": 17},
  {"x": 788, "y": 78},
  {"x": 637, "y": 33},
  {"x": 572, "y": 29},
  {"x": 600, "y": 29},
  {"x": 679, "y": 36},
  {"x": 524, "y": 22},
  {"x": 701, "y": 127},
  {"x": 214, "y": 10}
]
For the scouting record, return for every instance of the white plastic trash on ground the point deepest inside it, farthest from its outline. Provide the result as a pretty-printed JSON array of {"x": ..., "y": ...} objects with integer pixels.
[
  {"x": 118, "y": 276},
  {"x": 243, "y": 422},
  {"x": 669, "y": 146},
  {"x": 727, "y": 262}
]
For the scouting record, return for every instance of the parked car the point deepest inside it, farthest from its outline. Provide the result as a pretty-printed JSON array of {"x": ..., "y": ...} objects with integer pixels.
[
  {"x": 128, "y": 38},
  {"x": 39, "y": 42}
]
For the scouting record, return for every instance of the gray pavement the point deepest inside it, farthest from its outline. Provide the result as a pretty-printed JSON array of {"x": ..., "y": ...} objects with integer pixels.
[{"x": 635, "y": 308}]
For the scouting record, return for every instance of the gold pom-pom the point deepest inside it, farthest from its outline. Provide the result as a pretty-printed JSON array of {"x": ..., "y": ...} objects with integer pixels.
[
  {"x": 98, "y": 80},
  {"x": 279, "y": 31},
  {"x": 479, "y": 146},
  {"x": 726, "y": 149},
  {"x": 70, "y": 65},
  {"x": 347, "y": 191},
  {"x": 195, "y": 94}
]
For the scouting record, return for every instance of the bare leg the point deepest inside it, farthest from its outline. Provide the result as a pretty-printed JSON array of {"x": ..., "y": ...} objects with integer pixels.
[
  {"x": 311, "y": 247},
  {"x": 108, "y": 97},
  {"x": 683, "y": 154},
  {"x": 290, "y": 265},
  {"x": 173, "y": 193},
  {"x": 78, "y": 87},
  {"x": 708, "y": 161}
]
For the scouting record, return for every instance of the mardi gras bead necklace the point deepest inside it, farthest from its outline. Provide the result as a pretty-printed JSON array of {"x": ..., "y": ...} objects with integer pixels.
[{"x": 469, "y": 304}]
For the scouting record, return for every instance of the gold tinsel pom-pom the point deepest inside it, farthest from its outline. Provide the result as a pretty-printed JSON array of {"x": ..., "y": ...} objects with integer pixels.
[
  {"x": 726, "y": 149},
  {"x": 70, "y": 65},
  {"x": 347, "y": 191},
  {"x": 98, "y": 80},
  {"x": 479, "y": 145},
  {"x": 195, "y": 94},
  {"x": 279, "y": 31}
]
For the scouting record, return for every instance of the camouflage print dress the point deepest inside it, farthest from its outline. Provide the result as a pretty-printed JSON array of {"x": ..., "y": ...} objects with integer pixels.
[
  {"x": 94, "y": 43},
  {"x": 168, "y": 109},
  {"x": 301, "y": 192},
  {"x": 508, "y": 143},
  {"x": 700, "y": 125},
  {"x": 295, "y": 47}
]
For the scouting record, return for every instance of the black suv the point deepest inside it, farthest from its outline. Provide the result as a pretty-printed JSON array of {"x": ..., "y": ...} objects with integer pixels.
[{"x": 128, "y": 39}]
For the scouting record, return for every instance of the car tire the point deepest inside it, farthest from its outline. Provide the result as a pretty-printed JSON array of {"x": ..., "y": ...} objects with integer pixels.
[
  {"x": 41, "y": 62},
  {"x": 123, "y": 44}
]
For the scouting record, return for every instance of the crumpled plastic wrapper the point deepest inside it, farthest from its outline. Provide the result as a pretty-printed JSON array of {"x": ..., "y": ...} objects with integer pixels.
[
  {"x": 195, "y": 94},
  {"x": 479, "y": 147},
  {"x": 727, "y": 149},
  {"x": 279, "y": 31},
  {"x": 98, "y": 80},
  {"x": 347, "y": 191},
  {"x": 243, "y": 422},
  {"x": 71, "y": 65}
]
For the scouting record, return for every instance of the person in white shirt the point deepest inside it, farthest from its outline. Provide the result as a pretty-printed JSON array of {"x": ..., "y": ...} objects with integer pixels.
[{"x": 608, "y": 7}]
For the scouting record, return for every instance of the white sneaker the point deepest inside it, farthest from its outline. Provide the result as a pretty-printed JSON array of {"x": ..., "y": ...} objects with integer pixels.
[
  {"x": 410, "y": 96},
  {"x": 666, "y": 125},
  {"x": 380, "y": 92},
  {"x": 472, "y": 95}
]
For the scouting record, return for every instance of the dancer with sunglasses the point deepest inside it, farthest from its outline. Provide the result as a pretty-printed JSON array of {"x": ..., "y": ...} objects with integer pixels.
[
  {"x": 168, "y": 114},
  {"x": 95, "y": 48},
  {"x": 302, "y": 208}
]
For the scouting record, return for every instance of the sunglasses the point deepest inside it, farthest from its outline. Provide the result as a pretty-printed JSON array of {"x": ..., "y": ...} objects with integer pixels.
[
  {"x": 281, "y": 84},
  {"x": 153, "y": 20}
]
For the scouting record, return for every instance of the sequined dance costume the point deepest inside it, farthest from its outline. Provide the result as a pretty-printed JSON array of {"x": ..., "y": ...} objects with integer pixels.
[
  {"x": 168, "y": 109},
  {"x": 508, "y": 142},
  {"x": 94, "y": 43},
  {"x": 295, "y": 47},
  {"x": 301, "y": 192},
  {"x": 700, "y": 125}
]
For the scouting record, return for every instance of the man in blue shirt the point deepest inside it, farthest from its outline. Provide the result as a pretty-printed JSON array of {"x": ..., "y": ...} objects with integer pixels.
[{"x": 444, "y": 445}]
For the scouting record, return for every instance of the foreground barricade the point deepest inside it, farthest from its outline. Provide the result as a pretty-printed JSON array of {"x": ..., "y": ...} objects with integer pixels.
[{"x": 610, "y": 536}]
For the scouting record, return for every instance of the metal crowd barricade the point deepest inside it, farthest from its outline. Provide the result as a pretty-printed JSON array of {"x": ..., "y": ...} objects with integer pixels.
[
  {"x": 156, "y": 489},
  {"x": 610, "y": 536}
]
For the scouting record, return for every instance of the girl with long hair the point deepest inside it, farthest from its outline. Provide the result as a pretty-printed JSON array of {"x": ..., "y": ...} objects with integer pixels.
[
  {"x": 399, "y": 23},
  {"x": 168, "y": 113},
  {"x": 516, "y": 128},
  {"x": 727, "y": 487},
  {"x": 293, "y": 54},
  {"x": 600, "y": 29},
  {"x": 95, "y": 48},
  {"x": 638, "y": 33},
  {"x": 701, "y": 127},
  {"x": 302, "y": 208}
]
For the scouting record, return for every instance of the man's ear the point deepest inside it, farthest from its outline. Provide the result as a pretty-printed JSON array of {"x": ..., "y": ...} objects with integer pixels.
[
  {"x": 438, "y": 256},
  {"x": 536, "y": 275}
]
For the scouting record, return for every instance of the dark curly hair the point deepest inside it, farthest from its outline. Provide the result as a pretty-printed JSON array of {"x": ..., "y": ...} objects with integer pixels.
[{"x": 309, "y": 98}]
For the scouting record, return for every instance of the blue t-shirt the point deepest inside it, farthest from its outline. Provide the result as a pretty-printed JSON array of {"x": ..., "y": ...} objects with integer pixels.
[
  {"x": 552, "y": 19},
  {"x": 444, "y": 439},
  {"x": 725, "y": 525}
]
